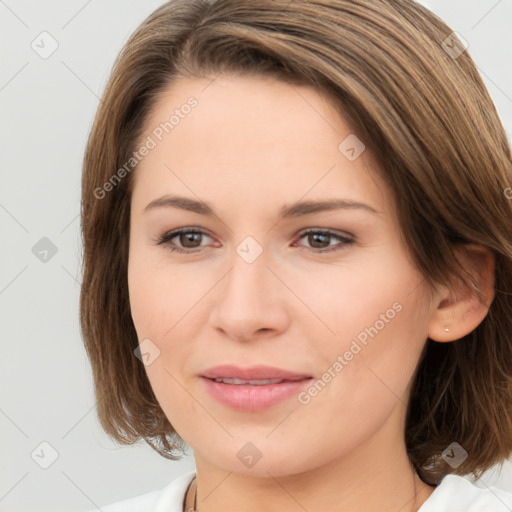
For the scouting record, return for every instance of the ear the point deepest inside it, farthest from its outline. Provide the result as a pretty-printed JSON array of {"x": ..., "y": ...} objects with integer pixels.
[{"x": 457, "y": 308}]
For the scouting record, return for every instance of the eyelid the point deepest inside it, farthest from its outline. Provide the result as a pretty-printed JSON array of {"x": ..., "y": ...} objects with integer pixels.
[{"x": 327, "y": 231}]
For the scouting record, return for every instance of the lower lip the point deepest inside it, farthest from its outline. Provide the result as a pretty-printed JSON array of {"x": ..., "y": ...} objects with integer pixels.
[{"x": 253, "y": 398}]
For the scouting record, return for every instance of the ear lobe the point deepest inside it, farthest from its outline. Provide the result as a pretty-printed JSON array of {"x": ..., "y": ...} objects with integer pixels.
[{"x": 459, "y": 310}]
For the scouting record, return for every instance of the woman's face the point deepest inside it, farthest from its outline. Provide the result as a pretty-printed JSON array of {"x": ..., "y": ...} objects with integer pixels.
[{"x": 345, "y": 308}]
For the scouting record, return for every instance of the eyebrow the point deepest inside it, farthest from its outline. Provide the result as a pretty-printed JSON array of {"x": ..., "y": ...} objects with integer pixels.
[{"x": 295, "y": 210}]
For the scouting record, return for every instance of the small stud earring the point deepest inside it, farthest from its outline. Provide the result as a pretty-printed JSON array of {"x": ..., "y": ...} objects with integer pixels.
[{"x": 447, "y": 329}]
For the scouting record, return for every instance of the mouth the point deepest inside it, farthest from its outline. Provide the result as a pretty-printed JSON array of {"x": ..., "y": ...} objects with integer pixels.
[{"x": 253, "y": 394}]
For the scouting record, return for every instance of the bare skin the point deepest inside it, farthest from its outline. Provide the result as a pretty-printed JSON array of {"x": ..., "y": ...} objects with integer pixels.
[{"x": 250, "y": 147}]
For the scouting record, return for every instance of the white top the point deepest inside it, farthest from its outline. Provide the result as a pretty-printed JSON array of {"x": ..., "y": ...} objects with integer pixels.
[{"x": 454, "y": 494}]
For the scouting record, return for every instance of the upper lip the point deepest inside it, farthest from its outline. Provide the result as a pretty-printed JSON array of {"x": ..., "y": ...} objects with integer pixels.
[{"x": 252, "y": 373}]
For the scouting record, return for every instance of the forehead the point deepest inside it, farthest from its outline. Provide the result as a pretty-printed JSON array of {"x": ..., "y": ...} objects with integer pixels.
[
  {"x": 254, "y": 110},
  {"x": 235, "y": 137}
]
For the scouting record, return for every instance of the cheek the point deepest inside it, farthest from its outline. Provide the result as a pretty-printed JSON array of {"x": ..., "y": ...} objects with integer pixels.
[
  {"x": 364, "y": 298},
  {"x": 159, "y": 294},
  {"x": 143, "y": 298},
  {"x": 158, "y": 300},
  {"x": 380, "y": 326},
  {"x": 367, "y": 367}
]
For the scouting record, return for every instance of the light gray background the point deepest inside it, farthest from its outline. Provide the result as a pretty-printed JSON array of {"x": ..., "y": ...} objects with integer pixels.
[{"x": 47, "y": 111}]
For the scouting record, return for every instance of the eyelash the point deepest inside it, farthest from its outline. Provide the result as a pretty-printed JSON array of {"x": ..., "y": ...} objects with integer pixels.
[{"x": 166, "y": 238}]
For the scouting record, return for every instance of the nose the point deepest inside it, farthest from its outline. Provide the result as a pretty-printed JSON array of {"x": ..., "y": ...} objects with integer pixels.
[{"x": 250, "y": 301}]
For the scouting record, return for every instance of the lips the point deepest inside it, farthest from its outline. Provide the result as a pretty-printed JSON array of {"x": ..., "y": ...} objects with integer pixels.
[
  {"x": 252, "y": 389},
  {"x": 256, "y": 375}
]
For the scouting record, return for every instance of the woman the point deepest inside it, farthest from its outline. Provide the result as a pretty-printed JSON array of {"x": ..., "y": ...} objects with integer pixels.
[{"x": 298, "y": 259}]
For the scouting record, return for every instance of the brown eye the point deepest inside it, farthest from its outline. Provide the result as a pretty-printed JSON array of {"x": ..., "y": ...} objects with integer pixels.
[
  {"x": 187, "y": 240},
  {"x": 320, "y": 240}
]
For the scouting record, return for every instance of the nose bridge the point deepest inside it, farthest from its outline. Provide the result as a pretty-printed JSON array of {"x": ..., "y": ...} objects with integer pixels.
[
  {"x": 249, "y": 299},
  {"x": 249, "y": 273}
]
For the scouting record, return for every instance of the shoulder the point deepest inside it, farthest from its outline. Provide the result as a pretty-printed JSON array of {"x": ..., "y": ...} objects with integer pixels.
[
  {"x": 168, "y": 499},
  {"x": 458, "y": 494}
]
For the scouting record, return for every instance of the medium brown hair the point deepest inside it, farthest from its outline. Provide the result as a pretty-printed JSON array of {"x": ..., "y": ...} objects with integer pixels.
[{"x": 425, "y": 114}]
